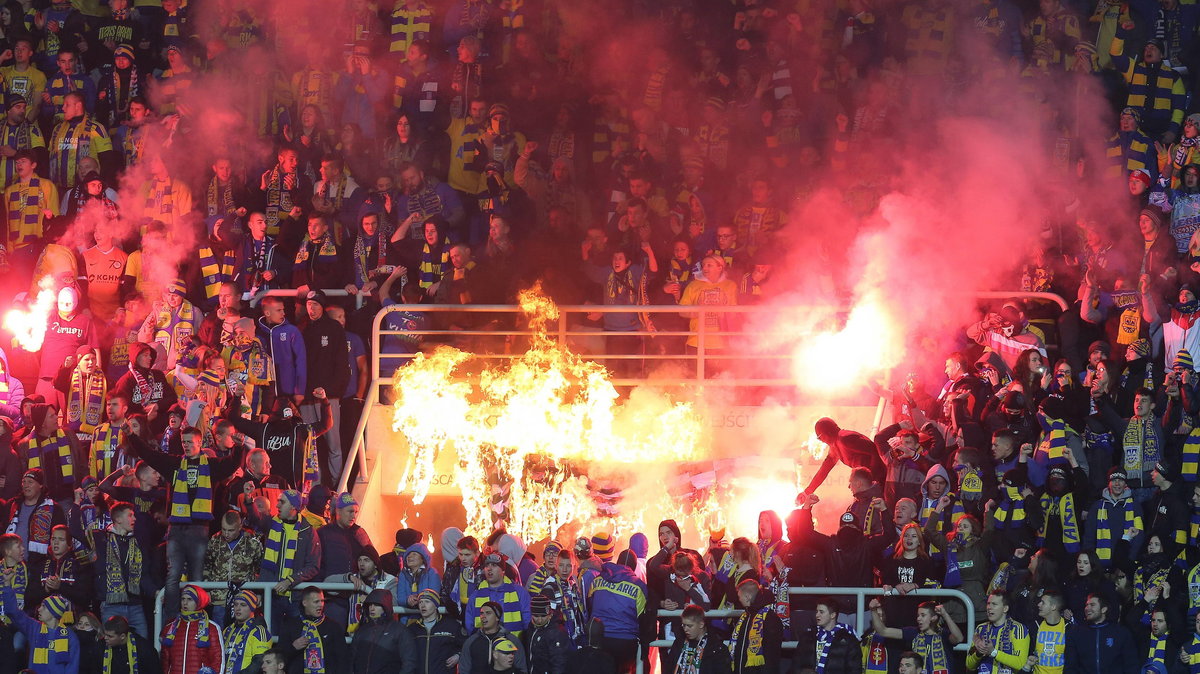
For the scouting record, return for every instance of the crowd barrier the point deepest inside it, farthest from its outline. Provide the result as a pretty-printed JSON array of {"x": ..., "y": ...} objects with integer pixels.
[{"x": 859, "y": 593}]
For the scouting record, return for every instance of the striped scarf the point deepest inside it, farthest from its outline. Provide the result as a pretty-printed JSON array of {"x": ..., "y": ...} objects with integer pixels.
[
  {"x": 312, "y": 469},
  {"x": 216, "y": 268},
  {"x": 218, "y": 199},
  {"x": 932, "y": 647},
  {"x": 36, "y": 449},
  {"x": 681, "y": 270},
  {"x": 314, "y": 652},
  {"x": 279, "y": 196},
  {"x": 85, "y": 402},
  {"x": 753, "y": 635},
  {"x": 824, "y": 644},
  {"x": 1055, "y": 438},
  {"x": 18, "y": 138},
  {"x": 122, "y": 577},
  {"x": 19, "y": 583},
  {"x": 1193, "y": 655},
  {"x": 1000, "y": 578},
  {"x": 323, "y": 251},
  {"x": 105, "y": 450},
  {"x": 1190, "y": 465},
  {"x": 434, "y": 263},
  {"x": 1064, "y": 507},
  {"x": 130, "y": 656},
  {"x": 1158, "y": 649},
  {"x": 370, "y": 252},
  {"x": 690, "y": 658},
  {"x": 1002, "y": 637},
  {"x": 1010, "y": 512},
  {"x": 237, "y": 637},
  {"x": 280, "y": 549},
  {"x": 120, "y": 95},
  {"x": 49, "y": 641},
  {"x": 160, "y": 201},
  {"x": 1104, "y": 541},
  {"x": 1141, "y": 445},
  {"x": 186, "y": 506},
  {"x": 185, "y": 617},
  {"x": 26, "y": 205}
]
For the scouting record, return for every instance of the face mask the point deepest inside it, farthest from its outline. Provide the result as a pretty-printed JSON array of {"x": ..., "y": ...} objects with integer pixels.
[{"x": 1008, "y": 330}]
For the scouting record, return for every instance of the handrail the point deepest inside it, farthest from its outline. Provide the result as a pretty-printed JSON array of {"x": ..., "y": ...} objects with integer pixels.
[
  {"x": 1002, "y": 295},
  {"x": 267, "y": 588},
  {"x": 357, "y": 445},
  {"x": 860, "y": 593},
  {"x": 292, "y": 292}
]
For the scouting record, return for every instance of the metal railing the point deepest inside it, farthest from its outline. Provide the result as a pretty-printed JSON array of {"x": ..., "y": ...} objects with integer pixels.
[
  {"x": 502, "y": 340},
  {"x": 859, "y": 593},
  {"x": 268, "y": 595},
  {"x": 292, "y": 292}
]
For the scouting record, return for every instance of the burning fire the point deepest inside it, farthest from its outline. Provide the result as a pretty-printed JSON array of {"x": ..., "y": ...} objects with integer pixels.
[
  {"x": 839, "y": 361},
  {"x": 28, "y": 327},
  {"x": 541, "y": 422}
]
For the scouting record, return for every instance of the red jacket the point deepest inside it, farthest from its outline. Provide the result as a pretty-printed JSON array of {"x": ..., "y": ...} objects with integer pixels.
[{"x": 185, "y": 656}]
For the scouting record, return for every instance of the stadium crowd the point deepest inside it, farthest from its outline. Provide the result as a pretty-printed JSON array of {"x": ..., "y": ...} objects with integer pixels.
[{"x": 165, "y": 161}]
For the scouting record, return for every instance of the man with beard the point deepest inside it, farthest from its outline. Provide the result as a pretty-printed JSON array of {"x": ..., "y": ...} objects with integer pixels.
[{"x": 424, "y": 198}]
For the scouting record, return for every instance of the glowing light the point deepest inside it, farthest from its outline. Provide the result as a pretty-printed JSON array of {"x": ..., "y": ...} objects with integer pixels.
[
  {"x": 819, "y": 450},
  {"x": 28, "y": 327},
  {"x": 542, "y": 422},
  {"x": 833, "y": 361}
]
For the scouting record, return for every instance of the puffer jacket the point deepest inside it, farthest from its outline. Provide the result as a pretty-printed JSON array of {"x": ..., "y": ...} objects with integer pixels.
[
  {"x": 408, "y": 583},
  {"x": 383, "y": 645},
  {"x": 185, "y": 656},
  {"x": 437, "y": 643}
]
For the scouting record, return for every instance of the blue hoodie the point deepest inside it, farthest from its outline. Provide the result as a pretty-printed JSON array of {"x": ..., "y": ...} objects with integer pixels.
[
  {"x": 618, "y": 598},
  {"x": 286, "y": 345},
  {"x": 428, "y": 579}
]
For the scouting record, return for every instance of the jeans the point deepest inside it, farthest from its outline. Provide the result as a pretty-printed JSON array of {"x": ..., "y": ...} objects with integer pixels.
[
  {"x": 185, "y": 554},
  {"x": 131, "y": 612}
]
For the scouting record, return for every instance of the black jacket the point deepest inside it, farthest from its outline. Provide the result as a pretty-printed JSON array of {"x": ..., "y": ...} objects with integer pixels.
[
  {"x": 771, "y": 638},
  {"x": 147, "y": 657},
  {"x": 1093, "y": 649},
  {"x": 437, "y": 644},
  {"x": 333, "y": 641},
  {"x": 382, "y": 646},
  {"x": 328, "y": 356},
  {"x": 591, "y": 660},
  {"x": 845, "y": 653},
  {"x": 808, "y": 562},
  {"x": 547, "y": 648},
  {"x": 715, "y": 660}
]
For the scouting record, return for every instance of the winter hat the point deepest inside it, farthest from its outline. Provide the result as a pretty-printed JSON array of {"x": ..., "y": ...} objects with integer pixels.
[
  {"x": 57, "y": 605},
  {"x": 249, "y": 597},
  {"x": 318, "y": 498},
  {"x": 36, "y": 475},
  {"x": 849, "y": 520},
  {"x": 498, "y": 109},
  {"x": 177, "y": 287},
  {"x": 628, "y": 558},
  {"x": 433, "y": 596},
  {"x": 1134, "y": 113},
  {"x": 406, "y": 537},
  {"x": 39, "y": 413},
  {"x": 198, "y": 595},
  {"x": 1058, "y": 472},
  {"x": 84, "y": 350},
  {"x": 496, "y": 608},
  {"x": 583, "y": 548},
  {"x": 1141, "y": 175},
  {"x": 1101, "y": 346},
  {"x": 1014, "y": 478},
  {"x": 603, "y": 546},
  {"x": 370, "y": 553},
  {"x": 317, "y": 296},
  {"x": 88, "y": 482},
  {"x": 1183, "y": 359},
  {"x": 345, "y": 500},
  {"x": 13, "y": 100},
  {"x": 1141, "y": 347},
  {"x": 210, "y": 377},
  {"x": 1167, "y": 471},
  {"x": 293, "y": 497},
  {"x": 1117, "y": 473},
  {"x": 123, "y": 50},
  {"x": 539, "y": 605},
  {"x": 670, "y": 524},
  {"x": 551, "y": 547},
  {"x": 1154, "y": 213},
  {"x": 640, "y": 545}
]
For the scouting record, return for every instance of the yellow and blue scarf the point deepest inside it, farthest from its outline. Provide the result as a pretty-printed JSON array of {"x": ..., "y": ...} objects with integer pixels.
[
  {"x": 314, "y": 652},
  {"x": 120, "y": 585},
  {"x": 202, "y": 637},
  {"x": 1064, "y": 506},
  {"x": 130, "y": 656},
  {"x": 185, "y": 506},
  {"x": 35, "y": 448},
  {"x": 1104, "y": 542}
]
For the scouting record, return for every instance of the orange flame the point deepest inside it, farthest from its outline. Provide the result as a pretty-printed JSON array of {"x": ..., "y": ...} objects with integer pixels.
[
  {"x": 28, "y": 327},
  {"x": 838, "y": 360},
  {"x": 540, "y": 421}
]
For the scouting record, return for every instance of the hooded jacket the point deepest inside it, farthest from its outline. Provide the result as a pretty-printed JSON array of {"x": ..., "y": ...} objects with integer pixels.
[
  {"x": 927, "y": 515},
  {"x": 641, "y": 549},
  {"x": 12, "y": 391},
  {"x": 382, "y": 645},
  {"x": 618, "y": 598},
  {"x": 436, "y": 643},
  {"x": 160, "y": 391},
  {"x": 408, "y": 583}
]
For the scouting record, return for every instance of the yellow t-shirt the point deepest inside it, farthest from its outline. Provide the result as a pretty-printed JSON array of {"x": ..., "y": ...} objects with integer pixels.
[{"x": 707, "y": 293}]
